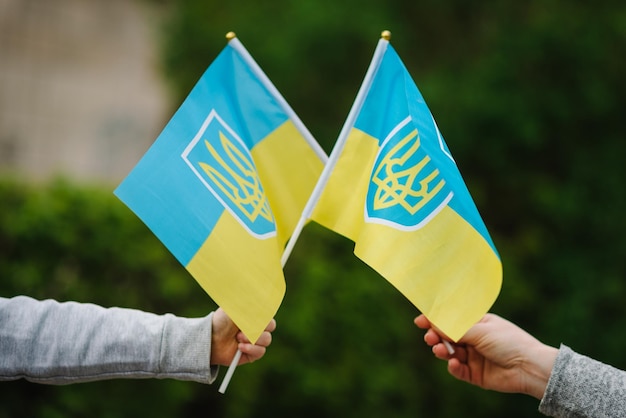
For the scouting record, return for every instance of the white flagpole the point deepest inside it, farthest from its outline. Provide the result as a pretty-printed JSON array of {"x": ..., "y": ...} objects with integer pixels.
[
  {"x": 258, "y": 72},
  {"x": 229, "y": 372},
  {"x": 381, "y": 47}
]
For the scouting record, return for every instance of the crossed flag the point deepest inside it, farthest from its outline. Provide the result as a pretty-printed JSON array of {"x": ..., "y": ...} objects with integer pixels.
[{"x": 235, "y": 175}]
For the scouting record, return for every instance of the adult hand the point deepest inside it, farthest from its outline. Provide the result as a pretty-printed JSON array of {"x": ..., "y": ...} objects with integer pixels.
[
  {"x": 495, "y": 354},
  {"x": 226, "y": 338}
]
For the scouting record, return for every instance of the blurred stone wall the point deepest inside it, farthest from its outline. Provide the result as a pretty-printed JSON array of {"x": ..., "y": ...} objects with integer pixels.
[{"x": 80, "y": 90}]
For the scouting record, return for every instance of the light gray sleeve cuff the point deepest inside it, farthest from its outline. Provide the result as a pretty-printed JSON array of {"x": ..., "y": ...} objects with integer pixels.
[
  {"x": 582, "y": 387},
  {"x": 186, "y": 349}
]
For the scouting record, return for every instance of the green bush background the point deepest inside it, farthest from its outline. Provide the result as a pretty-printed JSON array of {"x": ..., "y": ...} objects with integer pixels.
[{"x": 530, "y": 98}]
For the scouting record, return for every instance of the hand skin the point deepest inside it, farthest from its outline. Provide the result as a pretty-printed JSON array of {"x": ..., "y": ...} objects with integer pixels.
[
  {"x": 495, "y": 354},
  {"x": 226, "y": 338}
]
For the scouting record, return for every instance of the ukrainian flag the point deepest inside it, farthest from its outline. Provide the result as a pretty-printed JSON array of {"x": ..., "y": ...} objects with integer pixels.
[
  {"x": 395, "y": 190},
  {"x": 224, "y": 185}
]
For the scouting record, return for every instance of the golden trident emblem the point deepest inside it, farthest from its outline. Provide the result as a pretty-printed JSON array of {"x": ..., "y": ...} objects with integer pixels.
[
  {"x": 395, "y": 187},
  {"x": 245, "y": 190}
]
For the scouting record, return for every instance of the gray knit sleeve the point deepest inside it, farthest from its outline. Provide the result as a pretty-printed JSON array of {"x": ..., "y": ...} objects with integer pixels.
[
  {"x": 582, "y": 387},
  {"x": 61, "y": 343}
]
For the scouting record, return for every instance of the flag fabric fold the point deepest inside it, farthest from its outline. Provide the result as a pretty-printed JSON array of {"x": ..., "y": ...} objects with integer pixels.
[
  {"x": 392, "y": 187},
  {"x": 224, "y": 185}
]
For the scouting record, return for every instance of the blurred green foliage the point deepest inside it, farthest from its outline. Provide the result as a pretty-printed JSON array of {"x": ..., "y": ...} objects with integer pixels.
[{"x": 530, "y": 97}]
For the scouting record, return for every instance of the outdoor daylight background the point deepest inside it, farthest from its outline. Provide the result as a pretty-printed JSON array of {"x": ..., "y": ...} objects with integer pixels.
[{"x": 530, "y": 97}]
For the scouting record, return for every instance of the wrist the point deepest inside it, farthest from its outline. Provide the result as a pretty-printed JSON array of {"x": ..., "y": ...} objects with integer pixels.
[{"x": 538, "y": 370}]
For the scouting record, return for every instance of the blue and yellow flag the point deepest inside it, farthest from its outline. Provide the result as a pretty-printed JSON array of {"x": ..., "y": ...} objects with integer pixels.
[
  {"x": 225, "y": 183},
  {"x": 396, "y": 191}
]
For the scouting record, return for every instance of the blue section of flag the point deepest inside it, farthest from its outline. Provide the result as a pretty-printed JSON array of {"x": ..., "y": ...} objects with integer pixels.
[
  {"x": 162, "y": 190},
  {"x": 392, "y": 98},
  {"x": 406, "y": 187}
]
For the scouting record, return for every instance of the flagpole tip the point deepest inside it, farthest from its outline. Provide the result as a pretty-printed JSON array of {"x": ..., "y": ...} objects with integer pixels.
[
  {"x": 386, "y": 35},
  {"x": 231, "y": 35}
]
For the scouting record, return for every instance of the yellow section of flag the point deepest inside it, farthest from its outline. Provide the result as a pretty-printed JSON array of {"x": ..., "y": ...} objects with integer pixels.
[
  {"x": 285, "y": 166},
  {"x": 445, "y": 269},
  {"x": 340, "y": 206},
  {"x": 240, "y": 273}
]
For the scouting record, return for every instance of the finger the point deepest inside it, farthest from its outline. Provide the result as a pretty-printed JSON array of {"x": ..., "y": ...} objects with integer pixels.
[
  {"x": 441, "y": 334},
  {"x": 271, "y": 327},
  {"x": 441, "y": 351},
  {"x": 265, "y": 339},
  {"x": 241, "y": 338},
  {"x": 460, "y": 352},
  {"x": 251, "y": 352},
  {"x": 422, "y": 322},
  {"x": 431, "y": 337},
  {"x": 458, "y": 369}
]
